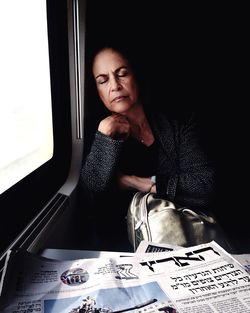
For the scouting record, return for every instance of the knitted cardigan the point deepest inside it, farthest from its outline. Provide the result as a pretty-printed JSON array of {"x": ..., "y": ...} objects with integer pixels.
[{"x": 184, "y": 173}]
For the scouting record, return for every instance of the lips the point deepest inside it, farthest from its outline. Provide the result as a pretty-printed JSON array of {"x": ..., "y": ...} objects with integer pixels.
[{"x": 119, "y": 98}]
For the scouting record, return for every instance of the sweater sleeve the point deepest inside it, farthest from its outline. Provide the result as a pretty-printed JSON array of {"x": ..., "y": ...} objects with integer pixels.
[
  {"x": 100, "y": 164},
  {"x": 191, "y": 180},
  {"x": 197, "y": 180}
]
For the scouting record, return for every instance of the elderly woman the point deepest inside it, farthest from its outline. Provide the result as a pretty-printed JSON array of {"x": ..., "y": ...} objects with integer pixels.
[{"x": 138, "y": 149}]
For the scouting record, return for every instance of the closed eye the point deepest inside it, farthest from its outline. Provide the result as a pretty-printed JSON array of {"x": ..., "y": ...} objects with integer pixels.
[
  {"x": 122, "y": 72},
  {"x": 101, "y": 79}
]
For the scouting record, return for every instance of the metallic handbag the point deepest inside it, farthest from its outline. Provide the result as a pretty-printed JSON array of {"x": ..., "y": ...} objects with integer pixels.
[{"x": 161, "y": 221}]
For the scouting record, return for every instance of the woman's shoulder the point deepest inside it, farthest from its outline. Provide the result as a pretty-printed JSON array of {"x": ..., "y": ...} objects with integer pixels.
[{"x": 171, "y": 118}]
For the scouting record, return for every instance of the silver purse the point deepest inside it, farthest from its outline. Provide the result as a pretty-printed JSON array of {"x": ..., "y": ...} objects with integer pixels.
[{"x": 160, "y": 221}]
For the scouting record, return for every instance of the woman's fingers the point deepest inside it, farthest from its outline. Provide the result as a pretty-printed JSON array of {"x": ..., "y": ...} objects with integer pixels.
[{"x": 115, "y": 126}]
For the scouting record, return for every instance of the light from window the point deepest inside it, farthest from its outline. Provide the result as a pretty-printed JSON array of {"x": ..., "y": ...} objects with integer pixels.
[{"x": 26, "y": 133}]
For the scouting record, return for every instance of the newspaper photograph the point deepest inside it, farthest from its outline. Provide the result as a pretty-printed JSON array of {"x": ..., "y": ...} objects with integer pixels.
[
  {"x": 151, "y": 247},
  {"x": 203, "y": 278}
]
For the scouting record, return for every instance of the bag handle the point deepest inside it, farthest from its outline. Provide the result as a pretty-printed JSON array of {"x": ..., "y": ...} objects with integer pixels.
[{"x": 201, "y": 216}]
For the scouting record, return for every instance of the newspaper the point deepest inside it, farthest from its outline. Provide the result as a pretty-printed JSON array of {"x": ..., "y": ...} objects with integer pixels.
[{"x": 199, "y": 279}]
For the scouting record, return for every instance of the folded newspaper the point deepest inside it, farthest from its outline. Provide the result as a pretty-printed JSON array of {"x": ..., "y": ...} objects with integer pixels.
[{"x": 198, "y": 279}]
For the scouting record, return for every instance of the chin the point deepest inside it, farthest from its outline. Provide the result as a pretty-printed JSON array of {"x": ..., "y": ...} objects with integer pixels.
[{"x": 122, "y": 107}]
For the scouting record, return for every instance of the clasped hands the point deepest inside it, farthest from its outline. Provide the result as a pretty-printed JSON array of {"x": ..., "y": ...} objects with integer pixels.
[{"x": 143, "y": 184}]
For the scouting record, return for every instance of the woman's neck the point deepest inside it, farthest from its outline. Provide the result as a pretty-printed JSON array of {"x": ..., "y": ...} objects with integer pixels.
[
  {"x": 140, "y": 128},
  {"x": 137, "y": 116}
]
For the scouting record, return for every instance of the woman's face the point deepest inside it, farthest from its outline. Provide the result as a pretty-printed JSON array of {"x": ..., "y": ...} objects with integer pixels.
[{"x": 115, "y": 81}]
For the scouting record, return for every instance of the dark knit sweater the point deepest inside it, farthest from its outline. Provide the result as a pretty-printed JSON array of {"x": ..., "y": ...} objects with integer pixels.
[{"x": 183, "y": 172}]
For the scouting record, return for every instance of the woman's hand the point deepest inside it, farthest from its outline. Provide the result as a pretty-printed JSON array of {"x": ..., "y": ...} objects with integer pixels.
[
  {"x": 115, "y": 126},
  {"x": 143, "y": 184}
]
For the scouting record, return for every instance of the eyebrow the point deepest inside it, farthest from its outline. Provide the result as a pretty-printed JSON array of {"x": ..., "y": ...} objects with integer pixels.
[{"x": 116, "y": 71}]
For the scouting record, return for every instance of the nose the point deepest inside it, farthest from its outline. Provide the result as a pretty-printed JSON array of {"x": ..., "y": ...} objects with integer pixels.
[{"x": 115, "y": 83}]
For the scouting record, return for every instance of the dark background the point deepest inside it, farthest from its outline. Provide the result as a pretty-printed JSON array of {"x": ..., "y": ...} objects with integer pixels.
[{"x": 195, "y": 59}]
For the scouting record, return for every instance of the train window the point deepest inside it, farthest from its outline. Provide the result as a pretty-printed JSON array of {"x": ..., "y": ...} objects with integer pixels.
[
  {"x": 35, "y": 110},
  {"x": 26, "y": 133}
]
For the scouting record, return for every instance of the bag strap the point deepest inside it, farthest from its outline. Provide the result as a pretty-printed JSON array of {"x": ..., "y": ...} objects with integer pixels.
[
  {"x": 144, "y": 216},
  {"x": 201, "y": 216}
]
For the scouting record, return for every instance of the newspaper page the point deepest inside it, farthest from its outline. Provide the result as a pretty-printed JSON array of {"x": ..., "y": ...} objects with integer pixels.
[
  {"x": 203, "y": 278},
  {"x": 222, "y": 285}
]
